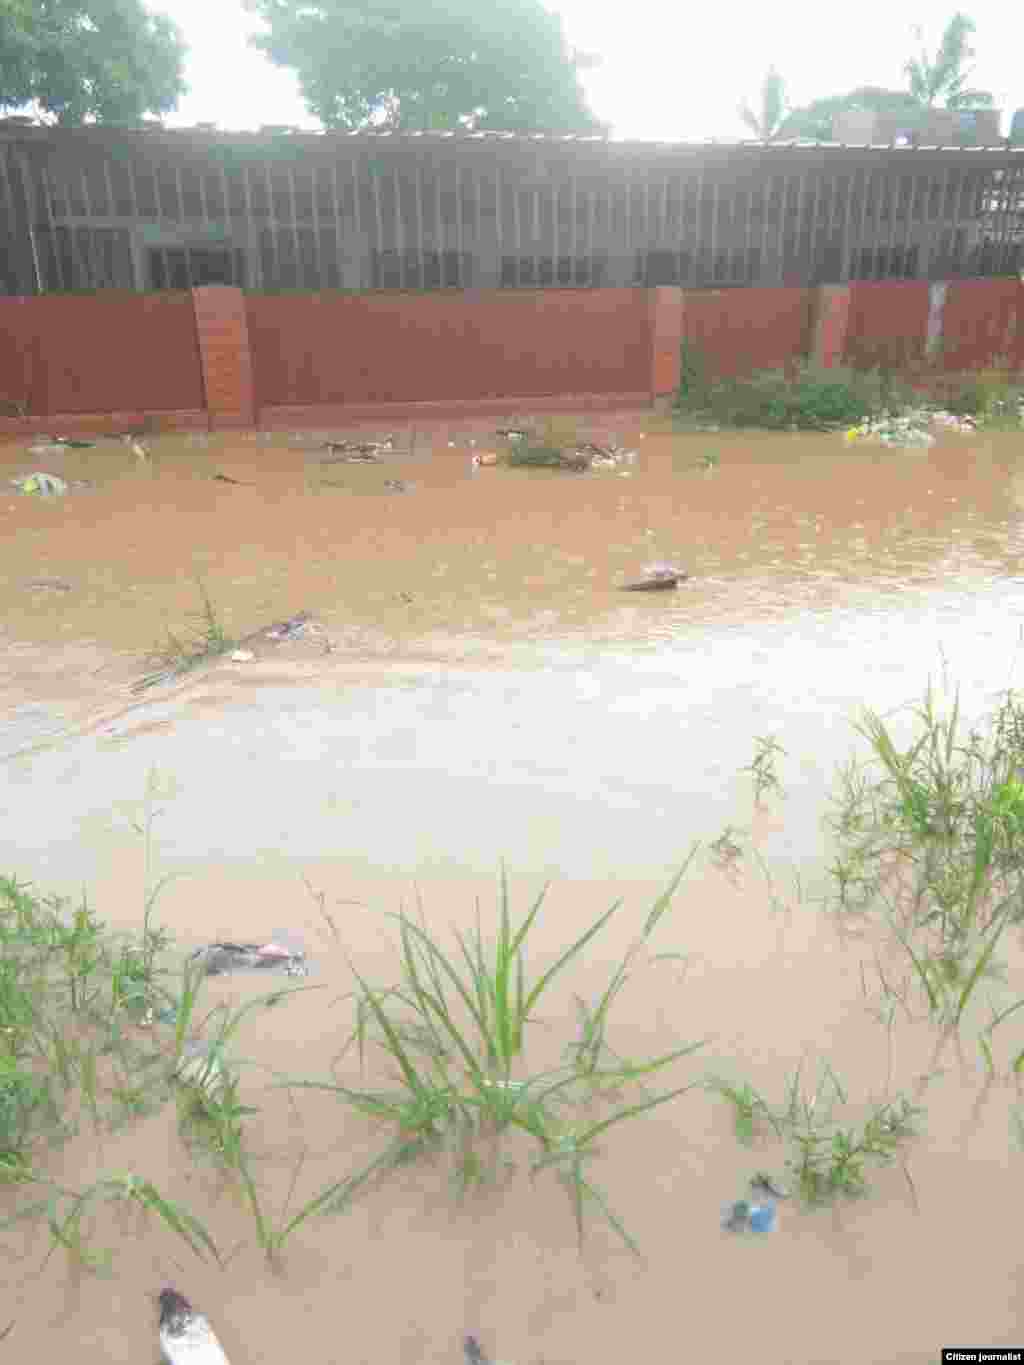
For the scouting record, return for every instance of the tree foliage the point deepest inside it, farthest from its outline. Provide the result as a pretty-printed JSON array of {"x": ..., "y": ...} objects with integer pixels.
[
  {"x": 82, "y": 60},
  {"x": 766, "y": 122},
  {"x": 406, "y": 64},
  {"x": 946, "y": 75},
  {"x": 927, "y": 80}
]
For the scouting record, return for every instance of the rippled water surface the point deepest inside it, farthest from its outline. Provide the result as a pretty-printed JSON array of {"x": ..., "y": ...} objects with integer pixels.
[{"x": 479, "y": 689}]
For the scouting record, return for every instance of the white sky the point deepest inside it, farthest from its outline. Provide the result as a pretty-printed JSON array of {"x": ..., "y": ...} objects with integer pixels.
[{"x": 669, "y": 71}]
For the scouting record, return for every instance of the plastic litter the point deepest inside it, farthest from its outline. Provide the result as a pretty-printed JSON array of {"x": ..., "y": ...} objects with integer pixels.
[
  {"x": 218, "y": 958},
  {"x": 46, "y": 485},
  {"x": 657, "y": 578},
  {"x": 746, "y": 1216},
  {"x": 186, "y": 1338}
]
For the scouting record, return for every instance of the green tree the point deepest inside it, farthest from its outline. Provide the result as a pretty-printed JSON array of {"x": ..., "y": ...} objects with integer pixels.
[
  {"x": 928, "y": 80},
  {"x": 946, "y": 75},
  {"x": 766, "y": 122},
  {"x": 402, "y": 64},
  {"x": 81, "y": 60}
]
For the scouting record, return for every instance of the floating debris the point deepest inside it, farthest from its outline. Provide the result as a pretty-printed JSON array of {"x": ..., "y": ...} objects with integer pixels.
[
  {"x": 226, "y": 478},
  {"x": 218, "y": 958},
  {"x": 398, "y": 486},
  {"x": 241, "y": 656},
  {"x": 908, "y": 431},
  {"x": 484, "y": 459},
  {"x": 513, "y": 433},
  {"x": 47, "y": 584},
  {"x": 136, "y": 446},
  {"x": 358, "y": 452},
  {"x": 201, "y": 1066},
  {"x": 744, "y": 1216},
  {"x": 605, "y": 457},
  {"x": 764, "y": 1183},
  {"x": 186, "y": 1338},
  {"x": 66, "y": 443},
  {"x": 657, "y": 578},
  {"x": 290, "y": 629},
  {"x": 548, "y": 457},
  {"x": 46, "y": 485}
]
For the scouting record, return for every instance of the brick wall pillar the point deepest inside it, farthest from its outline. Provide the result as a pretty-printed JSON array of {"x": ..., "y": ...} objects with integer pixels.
[
  {"x": 831, "y": 318},
  {"x": 224, "y": 347},
  {"x": 666, "y": 305}
]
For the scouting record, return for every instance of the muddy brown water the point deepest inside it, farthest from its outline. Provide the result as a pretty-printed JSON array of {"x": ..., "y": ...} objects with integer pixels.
[{"x": 479, "y": 690}]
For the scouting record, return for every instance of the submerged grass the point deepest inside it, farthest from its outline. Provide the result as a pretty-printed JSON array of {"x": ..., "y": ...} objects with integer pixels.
[
  {"x": 178, "y": 656},
  {"x": 931, "y": 841},
  {"x": 455, "y": 1029}
]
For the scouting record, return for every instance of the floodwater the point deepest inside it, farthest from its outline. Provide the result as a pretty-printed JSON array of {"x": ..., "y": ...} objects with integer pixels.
[{"x": 477, "y": 690}]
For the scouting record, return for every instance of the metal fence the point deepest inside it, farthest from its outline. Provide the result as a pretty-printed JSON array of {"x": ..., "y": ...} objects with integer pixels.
[{"x": 312, "y": 214}]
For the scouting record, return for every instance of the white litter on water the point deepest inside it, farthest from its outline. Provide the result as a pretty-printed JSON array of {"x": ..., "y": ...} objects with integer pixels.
[{"x": 186, "y": 1338}]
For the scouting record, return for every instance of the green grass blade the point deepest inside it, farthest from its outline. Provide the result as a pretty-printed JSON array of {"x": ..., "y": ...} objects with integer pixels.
[
  {"x": 631, "y": 1111},
  {"x": 566, "y": 957},
  {"x": 665, "y": 899},
  {"x": 412, "y": 1077},
  {"x": 179, "y": 1219},
  {"x": 983, "y": 960}
]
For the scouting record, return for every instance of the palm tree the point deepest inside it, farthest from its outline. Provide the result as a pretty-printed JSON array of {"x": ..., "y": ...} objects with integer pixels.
[
  {"x": 946, "y": 76},
  {"x": 766, "y": 124}
]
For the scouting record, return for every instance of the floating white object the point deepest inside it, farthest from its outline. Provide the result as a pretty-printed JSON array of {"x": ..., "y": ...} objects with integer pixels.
[
  {"x": 242, "y": 656},
  {"x": 186, "y": 1338}
]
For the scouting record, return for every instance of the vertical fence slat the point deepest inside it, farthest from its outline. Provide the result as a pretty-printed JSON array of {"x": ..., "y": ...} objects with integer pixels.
[
  {"x": 252, "y": 233},
  {"x": 275, "y": 245},
  {"x": 300, "y": 265},
  {"x": 399, "y": 232},
  {"x": 55, "y": 245}
]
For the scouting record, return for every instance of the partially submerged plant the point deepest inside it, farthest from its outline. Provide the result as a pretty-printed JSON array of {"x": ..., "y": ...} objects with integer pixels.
[
  {"x": 455, "y": 1029},
  {"x": 935, "y": 843},
  {"x": 179, "y": 656},
  {"x": 763, "y": 767}
]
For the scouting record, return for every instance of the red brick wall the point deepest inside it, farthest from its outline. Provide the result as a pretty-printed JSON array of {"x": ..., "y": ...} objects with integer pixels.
[
  {"x": 887, "y": 322},
  {"x": 403, "y": 347},
  {"x": 983, "y": 320},
  {"x": 102, "y": 352},
  {"x": 223, "y": 328},
  {"x": 738, "y": 331}
]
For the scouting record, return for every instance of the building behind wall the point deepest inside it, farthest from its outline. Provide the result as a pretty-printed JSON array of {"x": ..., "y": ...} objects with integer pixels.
[{"x": 149, "y": 209}]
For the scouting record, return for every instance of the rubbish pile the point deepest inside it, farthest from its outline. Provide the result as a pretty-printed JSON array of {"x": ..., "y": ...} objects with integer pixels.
[{"x": 908, "y": 431}]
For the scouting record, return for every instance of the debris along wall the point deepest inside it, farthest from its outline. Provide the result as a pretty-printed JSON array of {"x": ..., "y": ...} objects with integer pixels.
[
  {"x": 476, "y": 344},
  {"x": 99, "y": 353},
  {"x": 217, "y": 357}
]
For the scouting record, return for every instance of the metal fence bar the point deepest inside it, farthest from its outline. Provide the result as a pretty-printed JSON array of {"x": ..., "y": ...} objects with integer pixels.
[
  {"x": 55, "y": 245},
  {"x": 31, "y": 215},
  {"x": 204, "y": 207},
  {"x": 272, "y": 223},
  {"x": 315, "y": 186},
  {"x": 419, "y": 224},
  {"x": 95, "y": 273},
  {"x": 252, "y": 231},
  {"x": 300, "y": 265},
  {"x": 908, "y": 232},
  {"x": 336, "y": 205},
  {"x": 399, "y": 230},
  {"x": 517, "y": 228}
]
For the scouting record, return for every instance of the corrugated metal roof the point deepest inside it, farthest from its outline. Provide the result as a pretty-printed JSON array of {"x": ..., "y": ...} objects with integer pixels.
[{"x": 14, "y": 128}]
